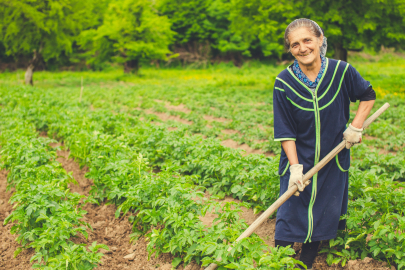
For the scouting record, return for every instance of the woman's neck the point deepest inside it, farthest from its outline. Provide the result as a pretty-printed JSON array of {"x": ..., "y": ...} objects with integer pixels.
[{"x": 312, "y": 70}]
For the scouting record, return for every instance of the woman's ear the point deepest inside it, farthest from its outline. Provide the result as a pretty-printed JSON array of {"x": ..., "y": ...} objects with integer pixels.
[{"x": 320, "y": 40}]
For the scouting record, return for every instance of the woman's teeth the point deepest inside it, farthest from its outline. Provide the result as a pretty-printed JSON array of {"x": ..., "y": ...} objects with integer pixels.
[{"x": 306, "y": 54}]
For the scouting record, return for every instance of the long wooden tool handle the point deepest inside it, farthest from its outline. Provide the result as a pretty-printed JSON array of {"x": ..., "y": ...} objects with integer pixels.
[{"x": 283, "y": 198}]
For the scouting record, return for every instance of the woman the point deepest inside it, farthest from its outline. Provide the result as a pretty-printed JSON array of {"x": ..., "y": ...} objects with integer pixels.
[{"x": 311, "y": 102}]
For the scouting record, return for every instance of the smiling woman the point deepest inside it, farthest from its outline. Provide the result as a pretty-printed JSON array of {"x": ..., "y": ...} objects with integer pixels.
[
  {"x": 311, "y": 100},
  {"x": 305, "y": 40}
]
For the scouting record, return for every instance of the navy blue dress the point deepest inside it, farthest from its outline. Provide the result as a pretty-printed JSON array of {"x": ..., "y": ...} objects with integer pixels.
[{"x": 315, "y": 121}]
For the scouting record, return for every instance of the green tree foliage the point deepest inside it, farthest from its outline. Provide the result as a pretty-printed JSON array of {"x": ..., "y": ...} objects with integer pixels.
[
  {"x": 188, "y": 17},
  {"x": 41, "y": 29},
  {"x": 222, "y": 37},
  {"x": 199, "y": 24},
  {"x": 261, "y": 23},
  {"x": 131, "y": 31},
  {"x": 356, "y": 24}
]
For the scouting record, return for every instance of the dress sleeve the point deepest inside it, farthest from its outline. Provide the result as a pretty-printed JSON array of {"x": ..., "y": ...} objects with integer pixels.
[
  {"x": 285, "y": 128},
  {"x": 357, "y": 85}
]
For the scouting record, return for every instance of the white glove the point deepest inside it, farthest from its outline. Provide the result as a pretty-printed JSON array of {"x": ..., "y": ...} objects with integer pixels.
[
  {"x": 352, "y": 136},
  {"x": 296, "y": 178}
]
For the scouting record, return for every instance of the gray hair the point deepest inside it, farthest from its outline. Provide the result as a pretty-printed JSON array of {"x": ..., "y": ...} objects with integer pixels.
[{"x": 311, "y": 26}]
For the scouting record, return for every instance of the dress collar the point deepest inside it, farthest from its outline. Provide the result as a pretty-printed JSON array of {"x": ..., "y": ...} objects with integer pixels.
[{"x": 303, "y": 78}]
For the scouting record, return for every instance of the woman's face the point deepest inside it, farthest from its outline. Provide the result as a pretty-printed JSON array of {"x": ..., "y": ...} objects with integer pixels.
[{"x": 304, "y": 46}]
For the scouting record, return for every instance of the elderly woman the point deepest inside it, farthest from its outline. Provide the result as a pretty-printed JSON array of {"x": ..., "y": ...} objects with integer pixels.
[{"x": 311, "y": 103}]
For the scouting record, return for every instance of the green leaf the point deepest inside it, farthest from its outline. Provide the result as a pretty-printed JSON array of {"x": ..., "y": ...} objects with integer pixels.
[
  {"x": 176, "y": 261},
  {"x": 232, "y": 266}
]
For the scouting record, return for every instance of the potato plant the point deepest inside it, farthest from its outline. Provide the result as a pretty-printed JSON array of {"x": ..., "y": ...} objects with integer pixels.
[{"x": 46, "y": 214}]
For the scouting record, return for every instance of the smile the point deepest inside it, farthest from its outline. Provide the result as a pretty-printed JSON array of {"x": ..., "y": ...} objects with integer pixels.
[{"x": 305, "y": 54}]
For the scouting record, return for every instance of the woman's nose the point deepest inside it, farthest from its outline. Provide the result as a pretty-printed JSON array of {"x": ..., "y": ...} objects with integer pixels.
[{"x": 303, "y": 48}]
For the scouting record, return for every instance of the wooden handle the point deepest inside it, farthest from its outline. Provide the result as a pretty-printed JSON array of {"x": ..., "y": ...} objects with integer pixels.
[{"x": 283, "y": 198}]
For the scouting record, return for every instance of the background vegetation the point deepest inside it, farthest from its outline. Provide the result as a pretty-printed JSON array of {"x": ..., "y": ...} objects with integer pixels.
[{"x": 37, "y": 34}]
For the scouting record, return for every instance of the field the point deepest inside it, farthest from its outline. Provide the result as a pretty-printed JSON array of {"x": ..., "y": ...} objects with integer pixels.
[{"x": 173, "y": 165}]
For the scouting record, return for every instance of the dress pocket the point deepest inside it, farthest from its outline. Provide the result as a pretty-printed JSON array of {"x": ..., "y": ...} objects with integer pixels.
[{"x": 343, "y": 160}]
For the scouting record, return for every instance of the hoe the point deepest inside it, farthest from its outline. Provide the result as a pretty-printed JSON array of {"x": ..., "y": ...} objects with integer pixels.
[{"x": 283, "y": 198}]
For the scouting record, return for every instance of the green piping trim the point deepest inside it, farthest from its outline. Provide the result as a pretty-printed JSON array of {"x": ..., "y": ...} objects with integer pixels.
[
  {"x": 278, "y": 88},
  {"x": 323, "y": 76},
  {"x": 340, "y": 167},
  {"x": 292, "y": 89},
  {"x": 337, "y": 92},
  {"x": 317, "y": 156},
  {"x": 284, "y": 139},
  {"x": 286, "y": 167},
  {"x": 298, "y": 106},
  {"x": 330, "y": 84},
  {"x": 315, "y": 177}
]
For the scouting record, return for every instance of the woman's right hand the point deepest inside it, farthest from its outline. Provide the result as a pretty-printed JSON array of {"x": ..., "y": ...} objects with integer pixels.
[{"x": 296, "y": 175}]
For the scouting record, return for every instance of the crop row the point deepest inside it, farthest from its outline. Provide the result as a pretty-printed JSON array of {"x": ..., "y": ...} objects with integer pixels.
[
  {"x": 376, "y": 201},
  {"x": 46, "y": 215},
  {"x": 167, "y": 201}
]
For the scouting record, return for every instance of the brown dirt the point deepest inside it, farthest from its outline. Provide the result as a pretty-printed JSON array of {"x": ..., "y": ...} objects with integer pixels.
[
  {"x": 78, "y": 174},
  {"x": 165, "y": 117},
  {"x": 179, "y": 108},
  {"x": 368, "y": 137},
  {"x": 248, "y": 150},
  {"x": 229, "y": 131}
]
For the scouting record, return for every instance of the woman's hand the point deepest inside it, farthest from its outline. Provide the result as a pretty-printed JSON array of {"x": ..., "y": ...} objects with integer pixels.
[
  {"x": 296, "y": 175},
  {"x": 352, "y": 136}
]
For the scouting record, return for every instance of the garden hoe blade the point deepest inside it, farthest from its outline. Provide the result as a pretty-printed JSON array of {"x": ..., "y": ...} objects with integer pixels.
[{"x": 283, "y": 198}]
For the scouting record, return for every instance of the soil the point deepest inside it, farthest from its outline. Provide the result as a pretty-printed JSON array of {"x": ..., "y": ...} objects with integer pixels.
[
  {"x": 248, "y": 150},
  {"x": 229, "y": 131},
  {"x": 165, "y": 117},
  {"x": 218, "y": 119},
  {"x": 179, "y": 108}
]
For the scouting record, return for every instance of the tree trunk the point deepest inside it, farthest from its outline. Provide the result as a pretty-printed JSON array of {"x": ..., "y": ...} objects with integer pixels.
[
  {"x": 28, "y": 75},
  {"x": 340, "y": 52},
  {"x": 131, "y": 66},
  {"x": 32, "y": 65}
]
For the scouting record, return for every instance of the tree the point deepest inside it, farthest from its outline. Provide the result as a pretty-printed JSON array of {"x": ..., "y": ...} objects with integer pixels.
[
  {"x": 348, "y": 25},
  {"x": 222, "y": 38},
  {"x": 203, "y": 29},
  {"x": 41, "y": 29},
  {"x": 261, "y": 23},
  {"x": 132, "y": 31},
  {"x": 352, "y": 25}
]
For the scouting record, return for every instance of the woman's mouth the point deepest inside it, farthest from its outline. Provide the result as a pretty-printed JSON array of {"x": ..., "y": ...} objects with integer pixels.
[{"x": 303, "y": 55}]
